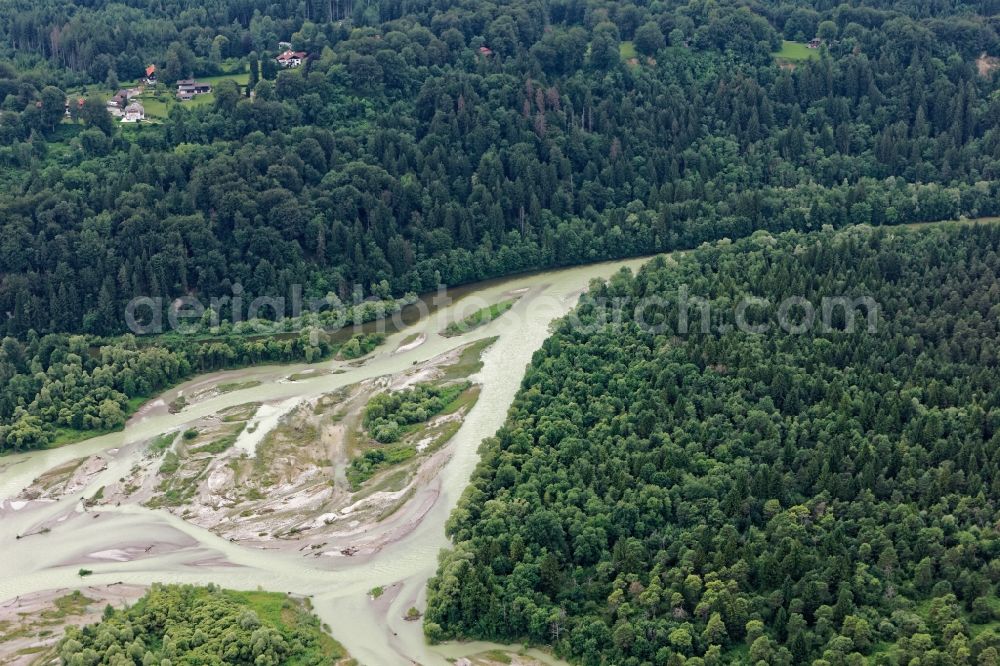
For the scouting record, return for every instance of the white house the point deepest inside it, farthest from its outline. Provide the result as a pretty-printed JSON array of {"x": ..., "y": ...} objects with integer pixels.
[
  {"x": 291, "y": 58},
  {"x": 134, "y": 113}
]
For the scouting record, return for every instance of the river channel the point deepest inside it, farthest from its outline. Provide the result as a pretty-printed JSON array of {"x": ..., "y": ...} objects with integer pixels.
[{"x": 374, "y": 633}]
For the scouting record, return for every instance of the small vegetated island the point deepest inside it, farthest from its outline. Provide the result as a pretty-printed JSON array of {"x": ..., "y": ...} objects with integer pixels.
[
  {"x": 399, "y": 422},
  {"x": 183, "y": 624},
  {"x": 478, "y": 318},
  {"x": 828, "y": 497}
]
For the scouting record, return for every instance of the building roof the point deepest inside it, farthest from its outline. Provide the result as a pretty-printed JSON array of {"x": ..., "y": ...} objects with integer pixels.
[
  {"x": 150, "y": 70},
  {"x": 134, "y": 106},
  {"x": 291, "y": 55}
]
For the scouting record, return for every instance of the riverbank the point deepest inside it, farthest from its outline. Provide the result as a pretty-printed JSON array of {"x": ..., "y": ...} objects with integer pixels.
[
  {"x": 251, "y": 349},
  {"x": 32, "y": 625},
  {"x": 373, "y": 633},
  {"x": 112, "y": 540}
]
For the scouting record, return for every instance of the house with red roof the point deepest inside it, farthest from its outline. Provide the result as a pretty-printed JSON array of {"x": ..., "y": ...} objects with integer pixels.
[{"x": 291, "y": 58}]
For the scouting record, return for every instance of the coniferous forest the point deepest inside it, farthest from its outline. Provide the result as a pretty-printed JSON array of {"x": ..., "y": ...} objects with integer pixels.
[
  {"x": 819, "y": 497},
  {"x": 428, "y": 143},
  {"x": 425, "y": 142},
  {"x": 824, "y": 497},
  {"x": 432, "y": 143}
]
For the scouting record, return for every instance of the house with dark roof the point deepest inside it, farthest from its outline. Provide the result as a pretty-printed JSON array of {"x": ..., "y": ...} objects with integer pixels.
[
  {"x": 119, "y": 99},
  {"x": 188, "y": 88}
]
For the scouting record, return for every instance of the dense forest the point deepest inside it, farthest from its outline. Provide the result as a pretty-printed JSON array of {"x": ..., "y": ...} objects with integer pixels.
[
  {"x": 426, "y": 143},
  {"x": 60, "y": 388},
  {"x": 718, "y": 497},
  {"x": 187, "y": 625},
  {"x": 824, "y": 498}
]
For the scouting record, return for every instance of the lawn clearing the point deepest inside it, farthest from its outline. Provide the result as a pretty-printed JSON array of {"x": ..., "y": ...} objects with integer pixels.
[{"x": 795, "y": 52}]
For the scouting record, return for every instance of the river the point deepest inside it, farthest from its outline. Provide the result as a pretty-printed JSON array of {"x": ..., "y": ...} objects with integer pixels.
[{"x": 374, "y": 633}]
